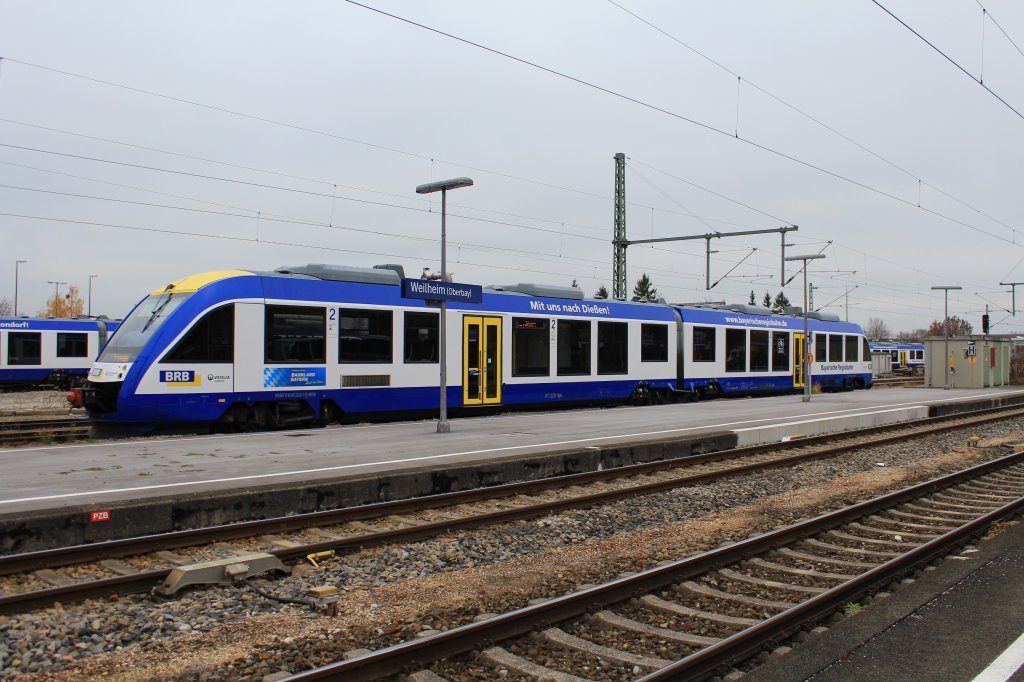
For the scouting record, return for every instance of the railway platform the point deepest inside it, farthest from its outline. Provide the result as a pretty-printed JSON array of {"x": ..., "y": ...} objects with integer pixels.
[
  {"x": 89, "y": 492},
  {"x": 959, "y": 622}
]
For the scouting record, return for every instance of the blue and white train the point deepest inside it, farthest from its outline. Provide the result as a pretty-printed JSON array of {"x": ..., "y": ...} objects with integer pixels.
[
  {"x": 57, "y": 352},
  {"x": 906, "y": 357},
  {"x": 239, "y": 350}
]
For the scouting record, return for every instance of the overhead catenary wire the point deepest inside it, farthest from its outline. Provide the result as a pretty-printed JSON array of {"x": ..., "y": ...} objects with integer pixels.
[
  {"x": 991, "y": 18},
  {"x": 949, "y": 59},
  {"x": 335, "y": 185},
  {"x": 817, "y": 121},
  {"x": 681, "y": 117}
]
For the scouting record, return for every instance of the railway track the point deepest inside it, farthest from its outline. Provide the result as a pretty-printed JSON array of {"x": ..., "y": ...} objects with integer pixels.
[
  {"x": 32, "y": 580},
  {"x": 694, "y": 618},
  {"x": 60, "y": 430}
]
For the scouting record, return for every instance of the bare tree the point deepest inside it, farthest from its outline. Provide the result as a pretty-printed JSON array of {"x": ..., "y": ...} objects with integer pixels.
[
  {"x": 6, "y": 307},
  {"x": 957, "y": 327},
  {"x": 876, "y": 329},
  {"x": 914, "y": 336}
]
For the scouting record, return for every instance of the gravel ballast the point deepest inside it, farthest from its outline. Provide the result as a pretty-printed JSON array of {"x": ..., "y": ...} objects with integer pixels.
[{"x": 391, "y": 594}]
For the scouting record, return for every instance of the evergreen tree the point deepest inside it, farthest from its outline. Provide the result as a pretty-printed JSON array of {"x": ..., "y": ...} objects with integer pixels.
[
  {"x": 752, "y": 301},
  {"x": 767, "y": 300},
  {"x": 602, "y": 292},
  {"x": 644, "y": 290},
  {"x": 780, "y": 303}
]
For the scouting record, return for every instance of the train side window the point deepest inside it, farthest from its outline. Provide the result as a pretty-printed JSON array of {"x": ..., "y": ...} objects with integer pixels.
[
  {"x": 421, "y": 338},
  {"x": 759, "y": 347},
  {"x": 531, "y": 347},
  {"x": 211, "y": 339},
  {"x": 780, "y": 351},
  {"x": 573, "y": 347},
  {"x": 735, "y": 350},
  {"x": 820, "y": 347},
  {"x": 654, "y": 343},
  {"x": 24, "y": 348},
  {"x": 865, "y": 349},
  {"x": 851, "y": 349},
  {"x": 835, "y": 347},
  {"x": 703, "y": 344},
  {"x": 365, "y": 336},
  {"x": 612, "y": 348},
  {"x": 295, "y": 334},
  {"x": 919, "y": 354},
  {"x": 72, "y": 345}
]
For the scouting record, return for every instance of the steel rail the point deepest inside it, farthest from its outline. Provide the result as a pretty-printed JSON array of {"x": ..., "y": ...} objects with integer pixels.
[
  {"x": 138, "y": 582},
  {"x": 414, "y": 654},
  {"x": 63, "y": 556}
]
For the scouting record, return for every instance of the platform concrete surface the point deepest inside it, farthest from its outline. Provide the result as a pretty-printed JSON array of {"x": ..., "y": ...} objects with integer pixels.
[
  {"x": 159, "y": 484},
  {"x": 950, "y": 625}
]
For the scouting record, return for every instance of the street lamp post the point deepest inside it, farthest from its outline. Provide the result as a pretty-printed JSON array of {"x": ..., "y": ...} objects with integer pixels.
[
  {"x": 56, "y": 292},
  {"x": 443, "y": 186},
  {"x": 89, "y": 309},
  {"x": 945, "y": 329},
  {"x": 806, "y": 365},
  {"x": 17, "y": 264}
]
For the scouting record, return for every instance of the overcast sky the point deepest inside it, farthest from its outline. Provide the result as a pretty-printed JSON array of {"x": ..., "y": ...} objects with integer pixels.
[{"x": 259, "y": 134}]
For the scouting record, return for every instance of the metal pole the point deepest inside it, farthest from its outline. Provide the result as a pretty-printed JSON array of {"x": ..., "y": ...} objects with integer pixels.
[
  {"x": 17, "y": 263},
  {"x": 946, "y": 351},
  {"x": 442, "y": 425},
  {"x": 707, "y": 262},
  {"x": 89, "y": 310},
  {"x": 807, "y": 340}
]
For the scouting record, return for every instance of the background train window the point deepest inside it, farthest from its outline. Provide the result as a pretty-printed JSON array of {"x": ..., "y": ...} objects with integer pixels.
[
  {"x": 573, "y": 347},
  {"x": 835, "y": 348},
  {"x": 211, "y": 339},
  {"x": 758, "y": 350},
  {"x": 780, "y": 351},
  {"x": 421, "y": 337},
  {"x": 365, "y": 336},
  {"x": 820, "y": 347},
  {"x": 531, "y": 347},
  {"x": 735, "y": 350},
  {"x": 703, "y": 344},
  {"x": 72, "y": 345},
  {"x": 654, "y": 343},
  {"x": 295, "y": 334},
  {"x": 24, "y": 348},
  {"x": 612, "y": 348},
  {"x": 851, "y": 349}
]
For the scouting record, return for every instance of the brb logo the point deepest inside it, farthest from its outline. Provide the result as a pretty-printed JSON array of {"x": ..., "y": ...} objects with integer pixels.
[{"x": 180, "y": 377}]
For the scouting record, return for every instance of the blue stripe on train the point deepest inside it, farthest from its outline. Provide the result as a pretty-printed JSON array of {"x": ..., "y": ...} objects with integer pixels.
[{"x": 201, "y": 408}]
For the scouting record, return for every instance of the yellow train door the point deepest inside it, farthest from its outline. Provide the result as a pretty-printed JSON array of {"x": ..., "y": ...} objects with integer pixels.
[
  {"x": 481, "y": 360},
  {"x": 798, "y": 360}
]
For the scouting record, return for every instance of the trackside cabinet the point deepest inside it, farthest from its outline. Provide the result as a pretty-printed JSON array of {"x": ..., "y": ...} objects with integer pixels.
[{"x": 974, "y": 361}]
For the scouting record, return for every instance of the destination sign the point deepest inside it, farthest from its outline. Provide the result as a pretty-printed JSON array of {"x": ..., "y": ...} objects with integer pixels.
[{"x": 436, "y": 290}]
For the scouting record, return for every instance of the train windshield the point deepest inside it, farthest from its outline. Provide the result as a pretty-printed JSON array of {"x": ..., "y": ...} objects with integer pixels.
[{"x": 139, "y": 327}]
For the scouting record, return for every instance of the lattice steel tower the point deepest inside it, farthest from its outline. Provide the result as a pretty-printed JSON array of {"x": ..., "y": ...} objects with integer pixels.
[{"x": 619, "y": 243}]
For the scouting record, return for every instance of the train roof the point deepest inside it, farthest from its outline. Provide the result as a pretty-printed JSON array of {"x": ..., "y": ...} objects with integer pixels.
[
  {"x": 894, "y": 345},
  {"x": 51, "y": 323},
  {"x": 546, "y": 298}
]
